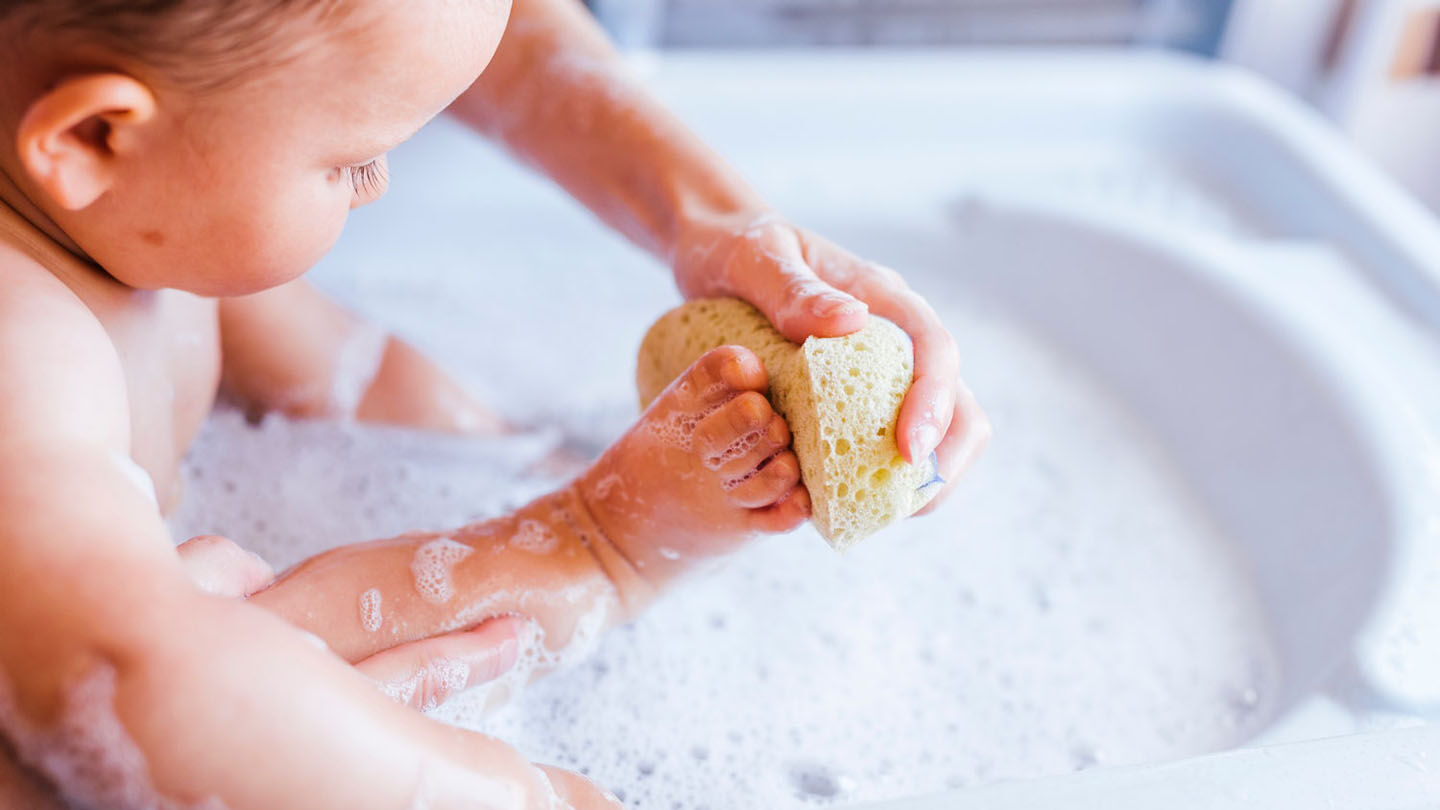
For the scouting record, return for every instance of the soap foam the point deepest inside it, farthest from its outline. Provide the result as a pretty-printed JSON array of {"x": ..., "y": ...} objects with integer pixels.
[
  {"x": 87, "y": 751},
  {"x": 433, "y": 683},
  {"x": 431, "y": 568},
  {"x": 534, "y": 537},
  {"x": 735, "y": 450},
  {"x": 731, "y": 484},
  {"x": 1072, "y": 606},
  {"x": 677, "y": 428},
  {"x": 535, "y": 655},
  {"x": 356, "y": 366},
  {"x": 606, "y": 486},
  {"x": 370, "y": 610}
]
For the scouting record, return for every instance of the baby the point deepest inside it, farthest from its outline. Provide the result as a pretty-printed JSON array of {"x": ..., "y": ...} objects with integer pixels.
[{"x": 168, "y": 171}]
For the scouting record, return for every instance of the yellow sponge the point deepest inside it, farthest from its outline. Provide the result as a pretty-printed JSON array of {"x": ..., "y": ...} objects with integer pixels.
[{"x": 841, "y": 397}]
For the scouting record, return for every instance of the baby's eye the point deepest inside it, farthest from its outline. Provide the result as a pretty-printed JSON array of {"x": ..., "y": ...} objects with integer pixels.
[{"x": 369, "y": 179}]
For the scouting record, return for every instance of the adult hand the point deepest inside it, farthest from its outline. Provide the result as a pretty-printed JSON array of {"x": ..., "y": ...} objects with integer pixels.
[
  {"x": 578, "y": 792},
  {"x": 422, "y": 674},
  {"x": 807, "y": 285}
]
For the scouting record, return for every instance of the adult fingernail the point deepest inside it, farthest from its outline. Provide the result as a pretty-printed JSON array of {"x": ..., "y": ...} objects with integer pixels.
[
  {"x": 830, "y": 305},
  {"x": 924, "y": 440}
]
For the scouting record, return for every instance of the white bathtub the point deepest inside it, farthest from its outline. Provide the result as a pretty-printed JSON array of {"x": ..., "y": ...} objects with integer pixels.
[{"x": 1264, "y": 300}]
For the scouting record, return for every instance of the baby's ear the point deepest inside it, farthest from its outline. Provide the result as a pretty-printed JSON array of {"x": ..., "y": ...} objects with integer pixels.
[{"x": 72, "y": 136}]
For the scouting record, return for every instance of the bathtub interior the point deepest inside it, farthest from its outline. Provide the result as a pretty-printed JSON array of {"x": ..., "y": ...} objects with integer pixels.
[
  {"x": 1172, "y": 544},
  {"x": 1247, "y": 410}
]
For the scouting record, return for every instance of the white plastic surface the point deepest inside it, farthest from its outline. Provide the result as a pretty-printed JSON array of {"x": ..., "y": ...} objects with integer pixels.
[
  {"x": 1264, "y": 300},
  {"x": 1395, "y": 770},
  {"x": 1176, "y": 221},
  {"x": 1165, "y": 218}
]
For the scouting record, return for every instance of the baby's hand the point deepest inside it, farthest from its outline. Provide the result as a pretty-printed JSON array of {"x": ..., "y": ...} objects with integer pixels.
[
  {"x": 707, "y": 467},
  {"x": 220, "y": 567},
  {"x": 579, "y": 793},
  {"x": 419, "y": 674}
]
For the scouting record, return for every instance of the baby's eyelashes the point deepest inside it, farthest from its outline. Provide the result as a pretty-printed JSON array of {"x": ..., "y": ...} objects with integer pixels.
[{"x": 368, "y": 181}]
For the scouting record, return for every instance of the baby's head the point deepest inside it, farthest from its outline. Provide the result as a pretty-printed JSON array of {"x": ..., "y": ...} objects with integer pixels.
[{"x": 216, "y": 146}]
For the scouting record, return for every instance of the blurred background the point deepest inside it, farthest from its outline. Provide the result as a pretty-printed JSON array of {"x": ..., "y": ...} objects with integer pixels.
[{"x": 1368, "y": 65}]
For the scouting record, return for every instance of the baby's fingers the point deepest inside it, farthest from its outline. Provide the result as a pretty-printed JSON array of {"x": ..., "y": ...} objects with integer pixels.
[
  {"x": 216, "y": 565},
  {"x": 579, "y": 793},
  {"x": 425, "y": 674},
  {"x": 785, "y": 514}
]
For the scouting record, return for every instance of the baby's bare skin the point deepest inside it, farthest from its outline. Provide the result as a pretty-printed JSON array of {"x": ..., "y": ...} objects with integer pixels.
[
  {"x": 592, "y": 546},
  {"x": 588, "y": 547},
  {"x": 231, "y": 193},
  {"x": 705, "y": 469},
  {"x": 168, "y": 343}
]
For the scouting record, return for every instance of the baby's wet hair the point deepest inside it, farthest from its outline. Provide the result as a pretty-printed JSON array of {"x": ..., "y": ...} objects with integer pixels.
[{"x": 197, "y": 44}]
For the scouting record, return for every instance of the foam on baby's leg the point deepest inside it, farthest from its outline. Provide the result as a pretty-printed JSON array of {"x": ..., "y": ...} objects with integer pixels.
[
  {"x": 432, "y": 566},
  {"x": 371, "y": 616},
  {"x": 87, "y": 753},
  {"x": 735, "y": 450},
  {"x": 356, "y": 367},
  {"x": 534, "y": 537},
  {"x": 677, "y": 429}
]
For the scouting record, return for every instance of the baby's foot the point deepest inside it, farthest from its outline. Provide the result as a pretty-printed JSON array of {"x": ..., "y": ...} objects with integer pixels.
[{"x": 707, "y": 467}]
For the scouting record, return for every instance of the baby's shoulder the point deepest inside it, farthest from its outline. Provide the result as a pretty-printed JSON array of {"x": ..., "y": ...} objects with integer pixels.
[{"x": 59, "y": 370}]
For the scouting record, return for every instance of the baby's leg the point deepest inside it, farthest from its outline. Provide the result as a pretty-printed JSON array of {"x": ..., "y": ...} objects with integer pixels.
[
  {"x": 705, "y": 468},
  {"x": 537, "y": 562}
]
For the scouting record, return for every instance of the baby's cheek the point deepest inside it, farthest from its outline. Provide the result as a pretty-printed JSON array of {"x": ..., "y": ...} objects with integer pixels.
[
  {"x": 289, "y": 240},
  {"x": 313, "y": 227}
]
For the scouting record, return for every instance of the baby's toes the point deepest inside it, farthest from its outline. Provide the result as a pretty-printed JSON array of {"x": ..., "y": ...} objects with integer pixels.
[
  {"x": 785, "y": 514},
  {"x": 721, "y": 373},
  {"x": 740, "y": 435},
  {"x": 766, "y": 485}
]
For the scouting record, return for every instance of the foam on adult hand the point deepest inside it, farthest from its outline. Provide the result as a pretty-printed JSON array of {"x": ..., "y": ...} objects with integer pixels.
[
  {"x": 430, "y": 685},
  {"x": 536, "y": 654},
  {"x": 841, "y": 397}
]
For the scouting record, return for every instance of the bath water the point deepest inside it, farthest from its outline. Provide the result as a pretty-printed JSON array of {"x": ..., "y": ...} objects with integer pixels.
[{"x": 1072, "y": 606}]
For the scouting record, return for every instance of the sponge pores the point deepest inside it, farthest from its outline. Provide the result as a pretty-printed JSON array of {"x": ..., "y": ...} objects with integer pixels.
[{"x": 841, "y": 397}]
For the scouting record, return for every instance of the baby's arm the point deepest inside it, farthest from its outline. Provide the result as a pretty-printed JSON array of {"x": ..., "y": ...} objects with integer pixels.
[
  {"x": 706, "y": 467},
  {"x": 123, "y": 685},
  {"x": 558, "y": 95},
  {"x": 291, "y": 349}
]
